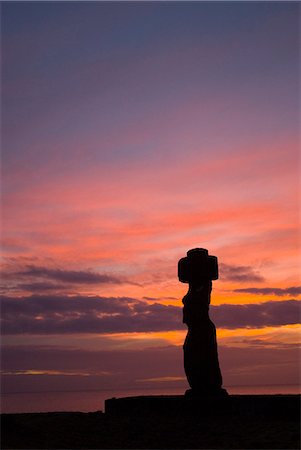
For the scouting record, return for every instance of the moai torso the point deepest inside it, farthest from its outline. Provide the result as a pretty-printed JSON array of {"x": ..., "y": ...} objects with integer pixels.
[{"x": 196, "y": 304}]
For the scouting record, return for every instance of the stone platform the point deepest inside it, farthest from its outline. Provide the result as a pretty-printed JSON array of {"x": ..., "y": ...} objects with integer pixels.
[
  {"x": 175, "y": 405},
  {"x": 158, "y": 422}
]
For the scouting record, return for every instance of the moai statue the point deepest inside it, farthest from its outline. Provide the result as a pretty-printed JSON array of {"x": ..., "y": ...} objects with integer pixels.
[{"x": 200, "y": 348}]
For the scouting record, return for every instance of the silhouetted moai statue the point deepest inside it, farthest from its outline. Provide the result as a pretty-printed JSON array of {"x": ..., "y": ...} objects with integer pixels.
[{"x": 200, "y": 348}]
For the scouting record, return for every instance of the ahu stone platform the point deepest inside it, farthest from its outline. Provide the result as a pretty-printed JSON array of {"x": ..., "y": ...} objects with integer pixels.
[{"x": 176, "y": 405}]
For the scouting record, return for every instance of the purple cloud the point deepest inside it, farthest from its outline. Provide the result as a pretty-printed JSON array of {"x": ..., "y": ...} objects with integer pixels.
[
  {"x": 291, "y": 291},
  {"x": 42, "y": 286},
  {"x": 257, "y": 315},
  {"x": 159, "y": 298},
  {"x": 241, "y": 274},
  {"x": 62, "y": 315},
  {"x": 68, "y": 276}
]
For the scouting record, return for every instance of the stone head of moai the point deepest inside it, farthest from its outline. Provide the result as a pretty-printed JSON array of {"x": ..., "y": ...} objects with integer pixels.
[{"x": 197, "y": 267}]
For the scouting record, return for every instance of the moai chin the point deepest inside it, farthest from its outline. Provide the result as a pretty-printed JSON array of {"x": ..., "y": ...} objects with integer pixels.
[{"x": 201, "y": 364}]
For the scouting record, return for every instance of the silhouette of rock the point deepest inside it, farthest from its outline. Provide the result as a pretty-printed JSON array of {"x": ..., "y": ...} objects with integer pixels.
[{"x": 200, "y": 348}]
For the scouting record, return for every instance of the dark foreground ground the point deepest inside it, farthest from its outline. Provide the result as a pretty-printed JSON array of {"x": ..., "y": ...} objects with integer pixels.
[{"x": 241, "y": 422}]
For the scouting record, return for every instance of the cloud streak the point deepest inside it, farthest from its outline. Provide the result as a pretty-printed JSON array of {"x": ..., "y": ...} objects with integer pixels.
[
  {"x": 69, "y": 315},
  {"x": 69, "y": 276},
  {"x": 241, "y": 274},
  {"x": 37, "y": 279},
  {"x": 280, "y": 292}
]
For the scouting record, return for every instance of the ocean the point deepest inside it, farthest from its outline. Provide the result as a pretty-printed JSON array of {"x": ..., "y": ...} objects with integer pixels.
[{"x": 91, "y": 401}]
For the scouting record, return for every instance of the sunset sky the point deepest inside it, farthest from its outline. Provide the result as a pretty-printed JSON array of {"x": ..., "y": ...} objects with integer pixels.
[{"x": 133, "y": 132}]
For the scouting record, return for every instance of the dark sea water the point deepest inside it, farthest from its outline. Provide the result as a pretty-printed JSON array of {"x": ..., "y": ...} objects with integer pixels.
[{"x": 89, "y": 401}]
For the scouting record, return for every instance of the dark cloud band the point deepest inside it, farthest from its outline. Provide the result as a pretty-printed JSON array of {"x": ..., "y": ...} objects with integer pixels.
[{"x": 67, "y": 315}]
